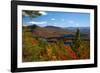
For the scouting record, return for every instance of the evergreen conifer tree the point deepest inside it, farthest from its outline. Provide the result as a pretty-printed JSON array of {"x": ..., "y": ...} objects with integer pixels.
[{"x": 76, "y": 41}]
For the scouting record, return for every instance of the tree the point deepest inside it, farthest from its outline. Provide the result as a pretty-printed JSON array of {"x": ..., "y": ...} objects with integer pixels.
[
  {"x": 31, "y": 13},
  {"x": 76, "y": 41},
  {"x": 80, "y": 46}
]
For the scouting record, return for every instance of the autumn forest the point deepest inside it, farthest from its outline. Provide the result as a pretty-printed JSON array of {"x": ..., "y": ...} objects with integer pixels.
[{"x": 54, "y": 41}]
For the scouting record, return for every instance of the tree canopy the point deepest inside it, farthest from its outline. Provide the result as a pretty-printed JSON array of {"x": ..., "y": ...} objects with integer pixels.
[{"x": 31, "y": 13}]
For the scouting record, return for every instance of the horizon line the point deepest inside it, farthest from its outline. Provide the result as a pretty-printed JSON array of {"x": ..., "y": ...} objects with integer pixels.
[{"x": 53, "y": 25}]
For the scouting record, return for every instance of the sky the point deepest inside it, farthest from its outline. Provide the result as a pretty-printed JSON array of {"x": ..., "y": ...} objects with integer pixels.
[{"x": 58, "y": 19}]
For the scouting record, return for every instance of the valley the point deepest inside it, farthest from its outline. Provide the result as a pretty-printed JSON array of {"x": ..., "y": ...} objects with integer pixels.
[{"x": 52, "y": 43}]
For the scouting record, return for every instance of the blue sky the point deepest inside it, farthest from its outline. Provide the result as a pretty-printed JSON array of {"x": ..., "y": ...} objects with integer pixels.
[{"x": 59, "y": 19}]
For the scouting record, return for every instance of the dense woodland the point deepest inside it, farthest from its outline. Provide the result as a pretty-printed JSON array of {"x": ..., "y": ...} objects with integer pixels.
[{"x": 38, "y": 49}]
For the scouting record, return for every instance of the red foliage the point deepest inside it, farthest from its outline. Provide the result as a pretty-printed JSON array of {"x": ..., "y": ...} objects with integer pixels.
[
  {"x": 78, "y": 49},
  {"x": 71, "y": 52}
]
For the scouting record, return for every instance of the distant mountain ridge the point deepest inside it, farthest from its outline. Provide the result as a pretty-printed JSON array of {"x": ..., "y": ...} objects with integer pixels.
[
  {"x": 48, "y": 31},
  {"x": 82, "y": 29},
  {"x": 53, "y": 27},
  {"x": 53, "y": 31}
]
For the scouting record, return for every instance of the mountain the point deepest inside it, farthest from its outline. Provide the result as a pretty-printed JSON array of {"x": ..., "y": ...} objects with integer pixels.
[
  {"x": 46, "y": 32},
  {"x": 53, "y": 27},
  {"x": 53, "y": 31},
  {"x": 82, "y": 29}
]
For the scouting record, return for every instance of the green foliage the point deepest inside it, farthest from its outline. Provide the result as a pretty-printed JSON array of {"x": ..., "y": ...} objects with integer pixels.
[
  {"x": 35, "y": 48},
  {"x": 60, "y": 45},
  {"x": 80, "y": 46},
  {"x": 32, "y": 14},
  {"x": 76, "y": 41}
]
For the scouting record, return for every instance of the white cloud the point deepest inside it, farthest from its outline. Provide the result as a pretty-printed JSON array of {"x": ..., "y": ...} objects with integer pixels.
[
  {"x": 77, "y": 24},
  {"x": 62, "y": 19},
  {"x": 34, "y": 22},
  {"x": 42, "y": 12},
  {"x": 53, "y": 19},
  {"x": 54, "y": 24},
  {"x": 71, "y": 22}
]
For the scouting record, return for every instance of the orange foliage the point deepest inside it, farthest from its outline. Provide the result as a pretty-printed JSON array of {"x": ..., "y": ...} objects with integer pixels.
[
  {"x": 71, "y": 52},
  {"x": 62, "y": 57}
]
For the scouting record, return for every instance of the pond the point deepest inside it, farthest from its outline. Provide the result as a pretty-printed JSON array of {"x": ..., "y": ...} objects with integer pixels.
[
  {"x": 67, "y": 43},
  {"x": 68, "y": 36}
]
